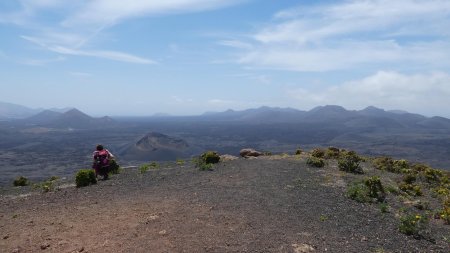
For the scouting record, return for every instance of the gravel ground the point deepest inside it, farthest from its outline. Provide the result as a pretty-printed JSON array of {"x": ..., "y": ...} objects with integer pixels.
[{"x": 246, "y": 205}]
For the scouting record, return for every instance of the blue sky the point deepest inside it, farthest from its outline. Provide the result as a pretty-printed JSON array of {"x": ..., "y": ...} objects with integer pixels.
[{"x": 136, "y": 57}]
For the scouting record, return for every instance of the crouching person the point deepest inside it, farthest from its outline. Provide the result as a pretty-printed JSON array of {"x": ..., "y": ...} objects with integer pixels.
[{"x": 102, "y": 158}]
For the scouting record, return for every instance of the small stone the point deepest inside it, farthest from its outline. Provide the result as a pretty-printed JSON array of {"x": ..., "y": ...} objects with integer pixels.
[
  {"x": 81, "y": 249},
  {"x": 5, "y": 237},
  {"x": 162, "y": 232},
  {"x": 45, "y": 246}
]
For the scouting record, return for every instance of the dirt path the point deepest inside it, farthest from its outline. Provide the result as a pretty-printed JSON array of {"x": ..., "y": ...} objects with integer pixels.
[{"x": 242, "y": 206}]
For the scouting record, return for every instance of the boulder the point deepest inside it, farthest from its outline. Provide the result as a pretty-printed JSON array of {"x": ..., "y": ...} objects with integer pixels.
[
  {"x": 225, "y": 158},
  {"x": 249, "y": 152}
]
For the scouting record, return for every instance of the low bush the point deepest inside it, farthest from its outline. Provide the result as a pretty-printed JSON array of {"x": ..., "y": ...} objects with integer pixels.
[
  {"x": 412, "y": 224},
  {"x": 409, "y": 178},
  {"x": 315, "y": 162},
  {"x": 383, "y": 163},
  {"x": 445, "y": 212},
  {"x": 332, "y": 153},
  {"x": 401, "y": 166},
  {"x": 366, "y": 191},
  {"x": 145, "y": 167},
  {"x": 210, "y": 157},
  {"x": 359, "y": 192},
  {"x": 21, "y": 181},
  {"x": 391, "y": 165},
  {"x": 411, "y": 189},
  {"x": 318, "y": 153},
  {"x": 47, "y": 186},
  {"x": 350, "y": 162},
  {"x": 114, "y": 168},
  {"x": 206, "y": 160},
  {"x": 298, "y": 151},
  {"x": 445, "y": 215},
  {"x": 180, "y": 162},
  {"x": 205, "y": 166},
  {"x": 433, "y": 176},
  {"x": 442, "y": 191},
  {"x": 384, "y": 208},
  {"x": 85, "y": 177},
  {"x": 375, "y": 188}
]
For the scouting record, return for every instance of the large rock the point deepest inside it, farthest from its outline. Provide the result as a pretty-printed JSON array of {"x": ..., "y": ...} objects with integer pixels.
[
  {"x": 249, "y": 152},
  {"x": 226, "y": 157}
]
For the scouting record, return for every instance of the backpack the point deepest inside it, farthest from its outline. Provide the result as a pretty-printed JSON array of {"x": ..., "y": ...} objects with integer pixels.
[{"x": 101, "y": 159}]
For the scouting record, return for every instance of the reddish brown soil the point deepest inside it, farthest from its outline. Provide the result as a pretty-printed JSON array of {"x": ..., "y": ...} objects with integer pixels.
[{"x": 257, "y": 205}]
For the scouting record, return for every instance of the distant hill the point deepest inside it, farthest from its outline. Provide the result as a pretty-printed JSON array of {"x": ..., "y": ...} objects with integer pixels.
[
  {"x": 43, "y": 117},
  {"x": 10, "y": 111},
  {"x": 14, "y": 111},
  {"x": 370, "y": 117},
  {"x": 70, "y": 119},
  {"x": 257, "y": 115},
  {"x": 157, "y": 146}
]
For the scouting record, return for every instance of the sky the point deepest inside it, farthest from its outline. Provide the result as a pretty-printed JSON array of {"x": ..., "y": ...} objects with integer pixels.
[{"x": 186, "y": 57}]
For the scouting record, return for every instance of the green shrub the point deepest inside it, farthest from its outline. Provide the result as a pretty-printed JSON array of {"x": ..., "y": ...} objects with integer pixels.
[
  {"x": 366, "y": 191},
  {"x": 298, "y": 151},
  {"x": 359, "y": 192},
  {"x": 85, "y": 177},
  {"x": 48, "y": 186},
  {"x": 315, "y": 162},
  {"x": 180, "y": 162},
  {"x": 375, "y": 188},
  {"x": 411, "y": 189},
  {"x": 433, "y": 176},
  {"x": 444, "y": 214},
  {"x": 349, "y": 162},
  {"x": 206, "y": 160},
  {"x": 114, "y": 168},
  {"x": 409, "y": 178},
  {"x": 442, "y": 191},
  {"x": 53, "y": 178},
  {"x": 21, "y": 181},
  {"x": 412, "y": 224},
  {"x": 205, "y": 166},
  {"x": 210, "y": 157},
  {"x": 318, "y": 153},
  {"x": 391, "y": 165},
  {"x": 332, "y": 153},
  {"x": 400, "y": 166},
  {"x": 384, "y": 207},
  {"x": 383, "y": 163},
  {"x": 145, "y": 167}
]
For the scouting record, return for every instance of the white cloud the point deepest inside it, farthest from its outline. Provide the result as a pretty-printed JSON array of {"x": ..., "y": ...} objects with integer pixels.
[
  {"x": 221, "y": 102},
  {"x": 81, "y": 21},
  {"x": 109, "y": 12},
  {"x": 422, "y": 93},
  {"x": 235, "y": 44},
  {"x": 41, "y": 62},
  {"x": 80, "y": 74},
  {"x": 353, "y": 33},
  {"x": 105, "y": 54},
  {"x": 111, "y": 55}
]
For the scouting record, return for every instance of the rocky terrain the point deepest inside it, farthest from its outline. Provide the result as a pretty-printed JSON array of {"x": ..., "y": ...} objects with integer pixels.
[{"x": 264, "y": 204}]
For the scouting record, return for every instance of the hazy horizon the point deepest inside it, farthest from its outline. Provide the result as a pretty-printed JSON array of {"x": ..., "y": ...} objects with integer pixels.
[
  {"x": 162, "y": 113},
  {"x": 193, "y": 56}
]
